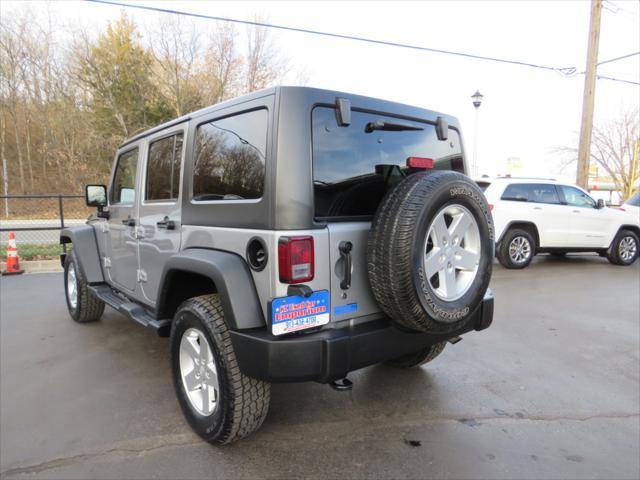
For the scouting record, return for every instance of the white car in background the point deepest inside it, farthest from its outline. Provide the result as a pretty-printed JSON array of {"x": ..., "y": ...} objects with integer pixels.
[
  {"x": 632, "y": 205},
  {"x": 534, "y": 216}
]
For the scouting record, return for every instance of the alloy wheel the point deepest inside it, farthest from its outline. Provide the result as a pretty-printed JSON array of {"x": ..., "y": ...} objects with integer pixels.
[
  {"x": 199, "y": 372},
  {"x": 452, "y": 252},
  {"x": 519, "y": 250}
]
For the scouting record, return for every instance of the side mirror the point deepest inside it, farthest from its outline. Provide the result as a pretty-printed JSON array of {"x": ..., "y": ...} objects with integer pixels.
[
  {"x": 96, "y": 196},
  {"x": 600, "y": 204}
]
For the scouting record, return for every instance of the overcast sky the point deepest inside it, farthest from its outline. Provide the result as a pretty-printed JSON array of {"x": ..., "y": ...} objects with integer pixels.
[{"x": 526, "y": 112}]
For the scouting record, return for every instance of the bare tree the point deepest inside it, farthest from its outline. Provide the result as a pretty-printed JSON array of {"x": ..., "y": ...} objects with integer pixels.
[
  {"x": 263, "y": 64},
  {"x": 175, "y": 47},
  {"x": 615, "y": 148}
]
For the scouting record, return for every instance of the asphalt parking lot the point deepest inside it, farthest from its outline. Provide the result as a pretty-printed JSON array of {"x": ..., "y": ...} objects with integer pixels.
[{"x": 551, "y": 390}]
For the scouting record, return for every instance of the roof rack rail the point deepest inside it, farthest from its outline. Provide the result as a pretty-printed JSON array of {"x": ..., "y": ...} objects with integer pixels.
[{"x": 527, "y": 178}]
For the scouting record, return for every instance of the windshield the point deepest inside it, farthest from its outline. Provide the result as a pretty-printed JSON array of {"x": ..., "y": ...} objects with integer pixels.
[{"x": 354, "y": 166}]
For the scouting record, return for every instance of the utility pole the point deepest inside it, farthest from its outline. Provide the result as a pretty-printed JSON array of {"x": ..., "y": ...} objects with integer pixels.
[{"x": 584, "y": 149}]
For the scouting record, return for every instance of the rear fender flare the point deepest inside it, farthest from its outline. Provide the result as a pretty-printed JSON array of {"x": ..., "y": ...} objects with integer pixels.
[{"x": 232, "y": 279}]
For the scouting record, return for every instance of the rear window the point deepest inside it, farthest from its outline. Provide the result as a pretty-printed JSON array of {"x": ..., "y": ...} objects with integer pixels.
[
  {"x": 353, "y": 169},
  {"x": 531, "y": 192}
]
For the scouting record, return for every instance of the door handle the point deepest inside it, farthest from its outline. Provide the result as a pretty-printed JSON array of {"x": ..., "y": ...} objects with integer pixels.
[
  {"x": 345, "y": 253},
  {"x": 537, "y": 208},
  {"x": 129, "y": 222},
  {"x": 576, "y": 211},
  {"x": 166, "y": 223}
]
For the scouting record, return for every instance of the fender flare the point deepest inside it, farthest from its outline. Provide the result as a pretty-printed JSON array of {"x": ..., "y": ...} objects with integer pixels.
[
  {"x": 232, "y": 279},
  {"x": 529, "y": 223},
  {"x": 85, "y": 245}
]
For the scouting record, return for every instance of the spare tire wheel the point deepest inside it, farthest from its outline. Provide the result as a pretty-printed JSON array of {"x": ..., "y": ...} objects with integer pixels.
[{"x": 430, "y": 251}]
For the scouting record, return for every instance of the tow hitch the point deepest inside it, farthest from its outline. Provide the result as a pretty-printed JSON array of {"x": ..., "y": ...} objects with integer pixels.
[{"x": 342, "y": 385}]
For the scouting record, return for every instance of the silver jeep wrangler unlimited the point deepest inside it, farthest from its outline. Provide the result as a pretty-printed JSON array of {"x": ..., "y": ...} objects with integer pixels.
[{"x": 289, "y": 235}]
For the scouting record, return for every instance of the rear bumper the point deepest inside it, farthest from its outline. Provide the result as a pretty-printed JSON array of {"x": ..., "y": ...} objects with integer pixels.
[{"x": 330, "y": 354}]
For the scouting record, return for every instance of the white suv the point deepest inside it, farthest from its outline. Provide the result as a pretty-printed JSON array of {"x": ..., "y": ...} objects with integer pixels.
[{"x": 545, "y": 216}]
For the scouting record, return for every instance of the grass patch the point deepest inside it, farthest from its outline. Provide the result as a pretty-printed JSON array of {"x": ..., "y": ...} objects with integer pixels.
[{"x": 35, "y": 251}]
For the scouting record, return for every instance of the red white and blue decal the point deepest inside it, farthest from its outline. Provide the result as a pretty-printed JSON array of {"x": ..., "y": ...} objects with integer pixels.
[{"x": 295, "y": 313}]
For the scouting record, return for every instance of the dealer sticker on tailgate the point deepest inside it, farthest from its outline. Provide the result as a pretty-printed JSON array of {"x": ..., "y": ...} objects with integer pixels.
[{"x": 291, "y": 314}]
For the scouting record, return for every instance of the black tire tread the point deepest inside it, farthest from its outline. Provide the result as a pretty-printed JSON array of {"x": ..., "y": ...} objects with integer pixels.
[
  {"x": 89, "y": 307},
  {"x": 249, "y": 397},
  {"x": 388, "y": 263}
]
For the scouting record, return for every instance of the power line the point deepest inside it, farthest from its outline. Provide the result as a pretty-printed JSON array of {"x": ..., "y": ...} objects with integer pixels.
[
  {"x": 602, "y": 77},
  {"x": 619, "y": 58},
  {"x": 566, "y": 71}
]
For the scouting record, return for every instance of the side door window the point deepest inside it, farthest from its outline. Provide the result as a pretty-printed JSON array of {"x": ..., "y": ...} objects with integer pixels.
[
  {"x": 123, "y": 188},
  {"x": 163, "y": 169},
  {"x": 577, "y": 198},
  {"x": 544, "y": 193}
]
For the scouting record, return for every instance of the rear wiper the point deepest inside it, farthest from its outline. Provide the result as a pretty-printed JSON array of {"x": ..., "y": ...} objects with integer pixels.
[{"x": 388, "y": 127}]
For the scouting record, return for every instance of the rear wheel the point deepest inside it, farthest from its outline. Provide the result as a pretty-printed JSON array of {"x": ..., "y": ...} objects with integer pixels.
[
  {"x": 624, "y": 249},
  {"x": 220, "y": 403},
  {"x": 84, "y": 306},
  {"x": 418, "y": 358},
  {"x": 516, "y": 250}
]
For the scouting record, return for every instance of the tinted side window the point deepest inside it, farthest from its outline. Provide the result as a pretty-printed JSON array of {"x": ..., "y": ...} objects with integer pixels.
[
  {"x": 576, "y": 197},
  {"x": 123, "y": 188},
  {"x": 517, "y": 192},
  {"x": 230, "y": 157},
  {"x": 163, "y": 168},
  {"x": 543, "y": 193}
]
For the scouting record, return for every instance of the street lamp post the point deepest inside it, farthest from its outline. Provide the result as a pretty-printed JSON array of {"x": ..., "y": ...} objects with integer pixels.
[{"x": 477, "y": 101}]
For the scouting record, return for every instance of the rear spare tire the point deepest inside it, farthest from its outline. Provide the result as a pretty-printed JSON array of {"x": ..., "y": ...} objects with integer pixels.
[{"x": 430, "y": 251}]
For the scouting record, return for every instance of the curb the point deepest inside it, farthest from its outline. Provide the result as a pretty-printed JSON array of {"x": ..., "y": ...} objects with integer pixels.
[{"x": 38, "y": 266}]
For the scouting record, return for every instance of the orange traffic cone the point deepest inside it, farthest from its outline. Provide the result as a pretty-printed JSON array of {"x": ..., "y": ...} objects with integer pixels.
[{"x": 13, "y": 260}]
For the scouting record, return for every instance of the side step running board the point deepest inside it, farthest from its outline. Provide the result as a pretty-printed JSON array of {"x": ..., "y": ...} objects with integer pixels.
[{"x": 130, "y": 309}]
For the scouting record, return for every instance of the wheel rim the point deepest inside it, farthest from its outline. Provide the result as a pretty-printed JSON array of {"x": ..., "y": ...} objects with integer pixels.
[
  {"x": 72, "y": 286},
  {"x": 519, "y": 250},
  {"x": 452, "y": 252},
  {"x": 627, "y": 248},
  {"x": 198, "y": 371}
]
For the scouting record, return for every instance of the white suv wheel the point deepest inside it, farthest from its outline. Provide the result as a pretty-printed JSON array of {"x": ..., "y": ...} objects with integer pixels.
[{"x": 519, "y": 250}]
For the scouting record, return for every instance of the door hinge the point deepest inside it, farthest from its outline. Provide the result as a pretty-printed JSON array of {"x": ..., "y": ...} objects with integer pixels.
[
  {"x": 105, "y": 226},
  {"x": 142, "y": 276},
  {"x": 106, "y": 262}
]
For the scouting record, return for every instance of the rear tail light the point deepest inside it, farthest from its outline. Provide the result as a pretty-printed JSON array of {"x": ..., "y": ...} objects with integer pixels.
[
  {"x": 420, "y": 162},
  {"x": 296, "y": 259},
  {"x": 490, "y": 207},
  {"x": 621, "y": 209}
]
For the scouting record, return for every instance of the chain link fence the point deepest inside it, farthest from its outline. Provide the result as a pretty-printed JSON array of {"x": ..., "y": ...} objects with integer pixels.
[{"x": 36, "y": 221}]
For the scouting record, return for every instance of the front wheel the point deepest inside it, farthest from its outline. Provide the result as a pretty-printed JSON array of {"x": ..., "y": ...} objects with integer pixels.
[
  {"x": 84, "y": 306},
  {"x": 624, "y": 249},
  {"x": 220, "y": 403},
  {"x": 516, "y": 249}
]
